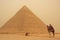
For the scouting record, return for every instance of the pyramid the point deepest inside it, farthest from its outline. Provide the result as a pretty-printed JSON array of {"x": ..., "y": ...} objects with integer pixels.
[{"x": 24, "y": 21}]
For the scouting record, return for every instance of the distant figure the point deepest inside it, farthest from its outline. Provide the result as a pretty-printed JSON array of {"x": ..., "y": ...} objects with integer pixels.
[
  {"x": 26, "y": 34},
  {"x": 51, "y": 30}
]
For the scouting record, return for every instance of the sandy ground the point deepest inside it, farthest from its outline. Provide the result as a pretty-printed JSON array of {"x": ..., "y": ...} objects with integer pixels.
[{"x": 30, "y": 37}]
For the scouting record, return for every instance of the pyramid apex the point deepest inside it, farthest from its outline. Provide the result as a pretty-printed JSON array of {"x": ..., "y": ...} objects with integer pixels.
[{"x": 24, "y": 7}]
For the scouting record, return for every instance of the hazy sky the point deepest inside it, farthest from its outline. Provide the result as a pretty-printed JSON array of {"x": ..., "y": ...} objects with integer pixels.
[{"x": 47, "y": 10}]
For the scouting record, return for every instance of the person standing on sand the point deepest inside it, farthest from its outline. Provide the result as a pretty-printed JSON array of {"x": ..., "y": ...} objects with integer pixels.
[{"x": 26, "y": 34}]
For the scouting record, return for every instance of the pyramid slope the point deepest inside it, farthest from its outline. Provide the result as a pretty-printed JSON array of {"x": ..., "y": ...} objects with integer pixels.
[{"x": 24, "y": 21}]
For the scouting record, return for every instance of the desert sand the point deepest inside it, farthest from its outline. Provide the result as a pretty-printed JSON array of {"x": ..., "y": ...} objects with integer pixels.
[{"x": 30, "y": 37}]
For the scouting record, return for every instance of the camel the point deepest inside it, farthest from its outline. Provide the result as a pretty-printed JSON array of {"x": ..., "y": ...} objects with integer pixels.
[{"x": 51, "y": 30}]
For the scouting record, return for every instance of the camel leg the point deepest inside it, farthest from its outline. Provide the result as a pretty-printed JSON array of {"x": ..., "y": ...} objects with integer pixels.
[
  {"x": 53, "y": 33},
  {"x": 49, "y": 34}
]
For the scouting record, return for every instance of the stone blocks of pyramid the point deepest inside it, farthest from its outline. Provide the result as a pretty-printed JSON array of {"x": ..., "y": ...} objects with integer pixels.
[{"x": 24, "y": 21}]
